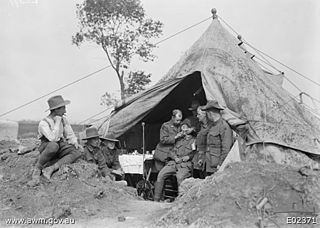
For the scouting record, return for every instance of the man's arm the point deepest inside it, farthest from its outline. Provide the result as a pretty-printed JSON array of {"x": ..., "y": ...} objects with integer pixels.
[
  {"x": 165, "y": 136},
  {"x": 68, "y": 132},
  {"x": 51, "y": 134}
]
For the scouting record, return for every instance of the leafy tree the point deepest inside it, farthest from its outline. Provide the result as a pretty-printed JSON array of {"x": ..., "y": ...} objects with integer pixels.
[{"x": 123, "y": 31}]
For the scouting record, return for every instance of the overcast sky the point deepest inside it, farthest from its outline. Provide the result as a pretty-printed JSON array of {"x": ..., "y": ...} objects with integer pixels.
[{"x": 37, "y": 55}]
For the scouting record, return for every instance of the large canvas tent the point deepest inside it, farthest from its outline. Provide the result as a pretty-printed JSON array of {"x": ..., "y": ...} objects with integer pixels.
[{"x": 216, "y": 67}]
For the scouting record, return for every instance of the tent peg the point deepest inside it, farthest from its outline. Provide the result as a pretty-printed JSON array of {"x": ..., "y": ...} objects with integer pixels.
[{"x": 214, "y": 13}]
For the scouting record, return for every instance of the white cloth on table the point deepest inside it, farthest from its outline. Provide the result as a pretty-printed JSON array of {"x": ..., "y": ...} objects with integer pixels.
[{"x": 133, "y": 163}]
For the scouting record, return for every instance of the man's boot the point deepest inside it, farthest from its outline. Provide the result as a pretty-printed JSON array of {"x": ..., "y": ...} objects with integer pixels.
[
  {"x": 48, "y": 171},
  {"x": 157, "y": 191}
]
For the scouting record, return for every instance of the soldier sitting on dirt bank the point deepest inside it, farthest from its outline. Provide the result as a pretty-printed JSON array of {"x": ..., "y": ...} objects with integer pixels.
[
  {"x": 111, "y": 155},
  {"x": 180, "y": 160},
  {"x": 58, "y": 141},
  {"x": 93, "y": 152}
]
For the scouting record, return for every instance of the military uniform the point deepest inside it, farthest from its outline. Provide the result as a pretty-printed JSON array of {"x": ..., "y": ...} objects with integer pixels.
[
  {"x": 219, "y": 142},
  {"x": 195, "y": 123},
  {"x": 168, "y": 132},
  {"x": 184, "y": 147},
  {"x": 199, "y": 157},
  {"x": 111, "y": 157},
  {"x": 94, "y": 154}
]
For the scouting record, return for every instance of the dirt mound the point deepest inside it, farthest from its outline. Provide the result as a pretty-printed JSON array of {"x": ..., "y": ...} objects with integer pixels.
[
  {"x": 75, "y": 191},
  {"x": 230, "y": 198}
]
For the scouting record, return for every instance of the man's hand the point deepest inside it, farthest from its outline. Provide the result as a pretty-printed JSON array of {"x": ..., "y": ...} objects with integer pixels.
[
  {"x": 185, "y": 158},
  {"x": 179, "y": 135},
  {"x": 79, "y": 147},
  {"x": 178, "y": 160},
  {"x": 57, "y": 118}
]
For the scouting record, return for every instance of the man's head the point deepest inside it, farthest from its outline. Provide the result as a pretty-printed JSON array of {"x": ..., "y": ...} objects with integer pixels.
[
  {"x": 58, "y": 111},
  {"x": 92, "y": 137},
  {"x": 110, "y": 141},
  {"x": 212, "y": 109},
  {"x": 176, "y": 116},
  {"x": 57, "y": 105},
  {"x": 186, "y": 127},
  {"x": 95, "y": 142},
  {"x": 213, "y": 115},
  {"x": 194, "y": 105},
  {"x": 201, "y": 115}
]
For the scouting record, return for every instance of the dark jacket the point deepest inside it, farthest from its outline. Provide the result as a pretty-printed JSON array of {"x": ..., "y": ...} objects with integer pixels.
[
  {"x": 201, "y": 143},
  {"x": 95, "y": 155},
  {"x": 219, "y": 143},
  {"x": 184, "y": 147},
  {"x": 111, "y": 157},
  {"x": 167, "y": 133}
]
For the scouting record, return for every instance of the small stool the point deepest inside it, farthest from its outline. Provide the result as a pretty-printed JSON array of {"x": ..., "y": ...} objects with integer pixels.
[{"x": 170, "y": 188}]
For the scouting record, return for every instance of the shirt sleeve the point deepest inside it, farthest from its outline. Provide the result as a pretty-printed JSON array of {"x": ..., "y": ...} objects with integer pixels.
[
  {"x": 166, "y": 137},
  {"x": 51, "y": 134},
  {"x": 68, "y": 132}
]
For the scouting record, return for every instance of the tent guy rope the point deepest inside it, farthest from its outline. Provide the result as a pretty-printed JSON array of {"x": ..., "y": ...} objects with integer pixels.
[{"x": 91, "y": 74}]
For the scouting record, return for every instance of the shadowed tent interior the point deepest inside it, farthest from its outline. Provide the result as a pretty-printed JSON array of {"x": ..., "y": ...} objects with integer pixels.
[
  {"x": 219, "y": 64},
  {"x": 180, "y": 97}
]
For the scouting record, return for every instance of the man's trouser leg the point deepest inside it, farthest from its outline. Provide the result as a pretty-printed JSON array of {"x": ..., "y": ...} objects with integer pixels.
[
  {"x": 67, "y": 154},
  {"x": 48, "y": 150},
  {"x": 163, "y": 174},
  {"x": 182, "y": 174}
]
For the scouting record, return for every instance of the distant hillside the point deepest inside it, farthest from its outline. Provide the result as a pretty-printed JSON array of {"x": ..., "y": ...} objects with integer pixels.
[{"x": 29, "y": 129}]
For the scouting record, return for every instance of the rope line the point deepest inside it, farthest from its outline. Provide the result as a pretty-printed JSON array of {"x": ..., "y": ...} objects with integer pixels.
[
  {"x": 95, "y": 115},
  {"x": 169, "y": 37},
  {"x": 161, "y": 41},
  {"x": 290, "y": 68},
  {"x": 91, "y": 74},
  {"x": 67, "y": 85}
]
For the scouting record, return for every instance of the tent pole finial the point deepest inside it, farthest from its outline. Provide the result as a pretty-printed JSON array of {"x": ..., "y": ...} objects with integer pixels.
[{"x": 214, "y": 13}]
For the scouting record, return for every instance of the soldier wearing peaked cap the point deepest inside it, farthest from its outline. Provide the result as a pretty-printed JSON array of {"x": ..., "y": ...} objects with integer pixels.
[
  {"x": 58, "y": 140},
  {"x": 219, "y": 138}
]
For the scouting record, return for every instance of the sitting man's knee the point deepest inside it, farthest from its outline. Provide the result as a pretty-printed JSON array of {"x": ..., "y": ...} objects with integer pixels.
[{"x": 52, "y": 147}]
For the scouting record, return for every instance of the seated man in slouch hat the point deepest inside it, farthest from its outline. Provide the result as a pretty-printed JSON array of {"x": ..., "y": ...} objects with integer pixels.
[
  {"x": 93, "y": 152},
  {"x": 111, "y": 155},
  {"x": 58, "y": 141}
]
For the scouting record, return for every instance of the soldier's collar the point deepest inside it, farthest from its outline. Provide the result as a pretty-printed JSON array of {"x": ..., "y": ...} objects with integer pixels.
[{"x": 91, "y": 148}]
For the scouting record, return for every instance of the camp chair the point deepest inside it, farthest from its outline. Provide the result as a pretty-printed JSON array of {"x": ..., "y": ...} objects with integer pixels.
[{"x": 170, "y": 188}]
